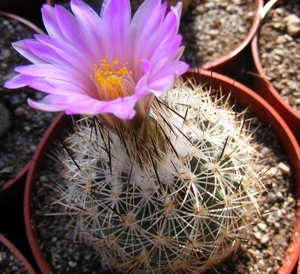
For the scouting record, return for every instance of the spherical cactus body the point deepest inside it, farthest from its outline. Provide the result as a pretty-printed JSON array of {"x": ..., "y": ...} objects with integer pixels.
[{"x": 175, "y": 195}]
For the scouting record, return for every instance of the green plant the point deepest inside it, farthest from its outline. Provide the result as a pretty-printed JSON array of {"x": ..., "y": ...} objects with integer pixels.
[{"x": 175, "y": 195}]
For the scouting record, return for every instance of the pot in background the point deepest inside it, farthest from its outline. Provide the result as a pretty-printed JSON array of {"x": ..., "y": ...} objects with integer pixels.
[
  {"x": 13, "y": 181},
  {"x": 265, "y": 88},
  {"x": 23, "y": 263},
  {"x": 234, "y": 58}
]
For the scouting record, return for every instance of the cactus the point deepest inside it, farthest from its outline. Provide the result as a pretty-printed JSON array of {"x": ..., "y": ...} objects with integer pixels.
[{"x": 176, "y": 195}]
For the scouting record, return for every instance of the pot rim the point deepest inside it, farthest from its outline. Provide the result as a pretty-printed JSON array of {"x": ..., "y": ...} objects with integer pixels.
[
  {"x": 59, "y": 122},
  {"x": 221, "y": 62},
  {"x": 17, "y": 253},
  {"x": 268, "y": 115},
  {"x": 268, "y": 91},
  {"x": 24, "y": 21}
]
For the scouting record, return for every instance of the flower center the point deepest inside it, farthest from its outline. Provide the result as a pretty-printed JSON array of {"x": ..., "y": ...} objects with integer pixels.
[{"x": 111, "y": 80}]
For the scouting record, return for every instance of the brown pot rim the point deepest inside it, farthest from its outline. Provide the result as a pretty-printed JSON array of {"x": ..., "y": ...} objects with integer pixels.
[
  {"x": 53, "y": 131},
  {"x": 222, "y": 61},
  {"x": 268, "y": 91},
  {"x": 36, "y": 29},
  {"x": 17, "y": 253},
  {"x": 22, "y": 20},
  {"x": 249, "y": 98}
]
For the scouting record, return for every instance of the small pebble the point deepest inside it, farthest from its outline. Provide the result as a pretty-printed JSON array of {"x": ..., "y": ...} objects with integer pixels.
[
  {"x": 4, "y": 120},
  {"x": 262, "y": 226},
  {"x": 284, "y": 168},
  {"x": 20, "y": 111},
  {"x": 72, "y": 264},
  {"x": 7, "y": 170},
  {"x": 292, "y": 24},
  {"x": 279, "y": 195},
  {"x": 261, "y": 264},
  {"x": 264, "y": 239}
]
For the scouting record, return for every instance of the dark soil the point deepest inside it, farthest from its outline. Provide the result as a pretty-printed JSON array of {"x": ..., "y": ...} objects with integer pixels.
[
  {"x": 21, "y": 127},
  {"x": 9, "y": 263}
]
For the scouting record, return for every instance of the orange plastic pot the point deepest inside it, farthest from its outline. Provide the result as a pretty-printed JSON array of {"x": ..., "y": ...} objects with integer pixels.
[
  {"x": 265, "y": 88},
  {"x": 245, "y": 97}
]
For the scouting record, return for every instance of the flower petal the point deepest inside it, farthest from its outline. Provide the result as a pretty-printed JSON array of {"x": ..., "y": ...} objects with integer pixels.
[
  {"x": 18, "y": 81},
  {"x": 116, "y": 28},
  {"x": 58, "y": 87},
  {"x": 89, "y": 24},
  {"x": 67, "y": 51},
  {"x": 123, "y": 109},
  {"x": 55, "y": 73},
  {"x": 50, "y": 22},
  {"x": 81, "y": 45},
  {"x": 22, "y": 48},
  {"x": 44, "y": 105}
]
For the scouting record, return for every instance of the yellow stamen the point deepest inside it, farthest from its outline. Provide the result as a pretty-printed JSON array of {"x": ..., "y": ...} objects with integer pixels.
[{"x": 110, "y": 79}]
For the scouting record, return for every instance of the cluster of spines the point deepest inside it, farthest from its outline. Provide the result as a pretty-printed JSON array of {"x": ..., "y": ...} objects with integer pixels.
[{"x": 179, "y": 201}]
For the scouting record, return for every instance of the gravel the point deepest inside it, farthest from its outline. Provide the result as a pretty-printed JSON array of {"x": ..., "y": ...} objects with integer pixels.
[
  {"x": 9, "y": 263},
  {"x": 279, "y": 50},
  {"x": 212, "y": 29},
  {"x": 21, "y": 127}
]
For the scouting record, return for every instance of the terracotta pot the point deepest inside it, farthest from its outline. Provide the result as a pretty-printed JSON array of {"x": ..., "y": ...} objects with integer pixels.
[
  {"x": 53, "y": 132},
  {"x": 11, "y": 184},
  {"x": 245, "y": 97},
  {"x": 234, "y": 58},
  {"x": 265, "y": 88},
  {"x": 17, "y": 254}
]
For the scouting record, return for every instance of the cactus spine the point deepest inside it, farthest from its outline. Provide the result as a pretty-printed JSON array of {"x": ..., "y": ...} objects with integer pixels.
[{"x": 176, "y": 200}]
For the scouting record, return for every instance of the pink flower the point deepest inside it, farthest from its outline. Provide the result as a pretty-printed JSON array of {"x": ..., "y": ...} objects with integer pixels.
[{"x": 91, "y": 64}]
